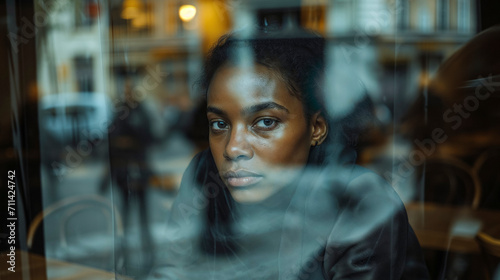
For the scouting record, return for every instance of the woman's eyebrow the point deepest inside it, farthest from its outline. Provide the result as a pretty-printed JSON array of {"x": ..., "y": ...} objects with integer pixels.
[
  {"x": 263, "y": 106},
  {"x": 251, "y": 109},
  {"x": 215, "y": 110}
]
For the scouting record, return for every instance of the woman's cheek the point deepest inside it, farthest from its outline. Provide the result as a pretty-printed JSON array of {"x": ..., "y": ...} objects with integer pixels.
[
  {"x": 217, "y": 141},
  {"x": 274, "y": 150},
  {"x": 268, "y": 139}
]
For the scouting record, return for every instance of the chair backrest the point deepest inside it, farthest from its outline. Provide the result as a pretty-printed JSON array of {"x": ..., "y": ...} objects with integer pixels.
[
  {"x": 79, "y": 228},
  {"x": 449, "y": 180},
  {"x": 489, "y": 242},
  {"x": 487, "y": 170}
]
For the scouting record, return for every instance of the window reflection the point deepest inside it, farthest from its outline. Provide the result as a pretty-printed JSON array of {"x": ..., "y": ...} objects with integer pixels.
[{"x": 115, "y": 112}]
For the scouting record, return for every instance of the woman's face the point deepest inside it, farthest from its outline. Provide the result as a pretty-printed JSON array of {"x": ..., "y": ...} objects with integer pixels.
[{"x": 259, "y": 136}]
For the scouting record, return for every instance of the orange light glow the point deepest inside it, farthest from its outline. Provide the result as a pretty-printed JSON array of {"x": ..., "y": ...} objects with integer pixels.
[{"x": 187, "y": 12}]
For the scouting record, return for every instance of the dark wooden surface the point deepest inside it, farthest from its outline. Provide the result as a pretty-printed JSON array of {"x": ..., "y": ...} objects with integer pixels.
[
  {"x": 56, "y": 269},
  {"x": 451, "y": 228}
]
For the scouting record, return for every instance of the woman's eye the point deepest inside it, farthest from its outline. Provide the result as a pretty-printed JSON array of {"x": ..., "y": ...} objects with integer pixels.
[
  {"x": 218, "y": 125},
  {"x": 266, "y": 123}
]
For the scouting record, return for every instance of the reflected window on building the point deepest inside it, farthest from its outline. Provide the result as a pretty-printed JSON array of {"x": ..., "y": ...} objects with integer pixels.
[
  {"x": 84, "y": 73},
  {"x": 86, "y": 13}
]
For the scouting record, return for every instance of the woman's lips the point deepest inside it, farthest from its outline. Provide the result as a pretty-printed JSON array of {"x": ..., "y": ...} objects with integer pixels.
[
  {"x": 242, "y": 178},
  {"x": 243, "y": 181}
]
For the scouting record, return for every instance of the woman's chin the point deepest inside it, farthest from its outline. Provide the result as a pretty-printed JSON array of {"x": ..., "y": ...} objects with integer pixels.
[{"x": 252, "y": 194}]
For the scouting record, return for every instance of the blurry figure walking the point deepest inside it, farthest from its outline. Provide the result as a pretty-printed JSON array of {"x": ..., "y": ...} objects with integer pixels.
[{"x": 129, "y": 138}]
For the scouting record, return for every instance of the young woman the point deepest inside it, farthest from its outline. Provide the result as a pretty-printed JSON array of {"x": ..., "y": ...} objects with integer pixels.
[{"x": 277, "y": 195}]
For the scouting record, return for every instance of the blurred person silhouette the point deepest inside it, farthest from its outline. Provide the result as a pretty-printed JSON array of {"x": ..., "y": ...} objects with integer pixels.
[
  {"x": 130, "y": 138},
  {"x": 458, "y": 120},
  {"x": 277, "y": 194}
]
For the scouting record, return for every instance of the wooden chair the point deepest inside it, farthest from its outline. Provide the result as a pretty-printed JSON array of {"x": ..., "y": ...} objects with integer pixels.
[
  {"x": 487, "y": 170},
  {"x": 450, "y": 181}
]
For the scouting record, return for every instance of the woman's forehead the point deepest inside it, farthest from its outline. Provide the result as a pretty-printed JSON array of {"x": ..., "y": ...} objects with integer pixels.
[
  {"x": 234, "y": 86},
  {"x": 245, "y": 82}
]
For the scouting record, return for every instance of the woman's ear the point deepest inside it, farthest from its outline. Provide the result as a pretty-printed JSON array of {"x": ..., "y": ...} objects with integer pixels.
[{"x": 319, "y": 129}]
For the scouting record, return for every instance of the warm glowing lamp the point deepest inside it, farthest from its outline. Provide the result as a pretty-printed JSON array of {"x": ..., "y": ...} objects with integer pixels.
[
  {"x": 131, "y": 9},
  {"x": 187, "y": 12},
  {"x": 140, "y": 21}
]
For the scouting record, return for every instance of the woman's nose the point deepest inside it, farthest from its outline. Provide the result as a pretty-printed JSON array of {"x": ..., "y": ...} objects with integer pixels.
[{"x": 237, "y": 147}]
